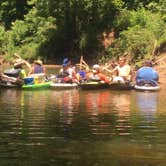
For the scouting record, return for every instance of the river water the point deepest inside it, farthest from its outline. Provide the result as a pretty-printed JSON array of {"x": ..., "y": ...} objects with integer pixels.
[{"x": 82, "y": 128}]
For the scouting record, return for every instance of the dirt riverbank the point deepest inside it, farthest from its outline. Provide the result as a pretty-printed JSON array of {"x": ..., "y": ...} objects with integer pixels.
[{"x": 162, "y": 75}]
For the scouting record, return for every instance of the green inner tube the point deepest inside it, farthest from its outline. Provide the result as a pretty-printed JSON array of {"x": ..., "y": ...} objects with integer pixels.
[{"x": 37, "y": 86}]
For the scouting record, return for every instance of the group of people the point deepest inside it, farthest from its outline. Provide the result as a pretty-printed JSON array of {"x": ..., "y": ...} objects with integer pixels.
[
  {"x": 22, "y": 70},
  {"x": 36, "y": 68},
  {"x": 120, "y": 73}
]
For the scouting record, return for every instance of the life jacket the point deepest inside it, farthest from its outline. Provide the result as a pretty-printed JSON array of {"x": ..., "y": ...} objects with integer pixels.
[
  {"x": 38, "y": 69},
  {"x": 94, "y": 77}
]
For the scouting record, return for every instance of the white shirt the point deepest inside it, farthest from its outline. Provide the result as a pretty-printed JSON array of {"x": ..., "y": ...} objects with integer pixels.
[{"x": 123, "y": 71}]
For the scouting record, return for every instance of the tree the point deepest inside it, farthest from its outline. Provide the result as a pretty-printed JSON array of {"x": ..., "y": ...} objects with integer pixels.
[
  {"x": 11, "y": 10},
  {"x": 28, "y": 36},
  {"x": 3, "y": 40},
  {"x": 136, "y": 4},
  {"x": 142, "y": 33}
]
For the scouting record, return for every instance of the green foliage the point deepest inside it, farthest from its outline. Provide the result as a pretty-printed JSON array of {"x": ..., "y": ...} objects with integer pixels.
[
  {"x": 142, "y": 30},
  {"x": 71, "y": 27},
  {"x": 11, "y": 10},
  {"x": 79, "y": 22},
  {"x": 27, "y": 36},
  {"x": 157, "y": 6},
  {"x": 3, "y": 40},
  {"x": 136, "y": 4},
  {"x": 138, "y": 42}
]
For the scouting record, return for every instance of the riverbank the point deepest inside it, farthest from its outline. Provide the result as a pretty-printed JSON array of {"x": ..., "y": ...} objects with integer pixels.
[
  {"x": 160, "y": 68},
  {"x": 162, "y": 76}
]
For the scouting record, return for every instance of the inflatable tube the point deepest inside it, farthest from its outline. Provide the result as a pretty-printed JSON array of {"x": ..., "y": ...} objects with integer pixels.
[
  {"x": 63, "y": 86},
  {"x": 8, "y": 85},
  {"x": 43, "y": 85},
  {"x": 121, "y": 86},
  {"x": 147, "y": 88},
  {"x": 93, "y": 85}
]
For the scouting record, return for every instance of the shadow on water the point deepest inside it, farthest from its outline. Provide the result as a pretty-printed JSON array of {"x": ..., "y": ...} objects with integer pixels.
[{"x": 74, "y": 127}]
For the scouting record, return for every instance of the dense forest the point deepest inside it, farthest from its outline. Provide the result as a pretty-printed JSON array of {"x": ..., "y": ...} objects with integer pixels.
[{"x": 96, "y": 29}]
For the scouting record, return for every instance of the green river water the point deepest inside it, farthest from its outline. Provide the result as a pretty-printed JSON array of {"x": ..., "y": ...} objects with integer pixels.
[{"x": 82, "y": 128}]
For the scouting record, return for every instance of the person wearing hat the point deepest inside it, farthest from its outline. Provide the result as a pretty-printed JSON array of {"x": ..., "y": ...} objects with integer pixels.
[
  {"x": 96, "y": 75},
  {"x": 38, "y": 67},
  {"x": 147, "y": 74},
  {"x": 66, "y": 62},
  {"x": 38, "y": 72},
  {"x": 67, "y": 73},
  {"x": 19, "y": 67},
  {"x": 19, "y": 63},
  {"x": 16, "y": 74}
]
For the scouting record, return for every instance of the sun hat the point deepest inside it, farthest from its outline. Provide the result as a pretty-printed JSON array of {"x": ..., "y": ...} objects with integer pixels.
[
  {"x": 96, "y": 68},
  {"x": 65, "y": 62},
  {"x": 38, "y": 62}
]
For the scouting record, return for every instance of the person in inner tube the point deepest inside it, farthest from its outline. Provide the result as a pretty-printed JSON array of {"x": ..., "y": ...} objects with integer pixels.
[
  {"x": 96, "y": 75},
  {"x": 67, "y": 73},
  {"x": 147, "y": 75}
]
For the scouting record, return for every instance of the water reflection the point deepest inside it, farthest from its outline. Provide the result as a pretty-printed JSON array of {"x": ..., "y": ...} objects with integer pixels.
[
  {"x": 147, "y": 103},
  {"x": 37, "y": 100},
  {"x": 97, "y": 102},
  {"x": 67, "y": 103},
  {"x": 68, "y": 127},
  {"x": 109, "y": 112},
  {"x": 122, "y": 102},
  {"x": 146, "y": 127},
  {"x": 10, "y": 97}
]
